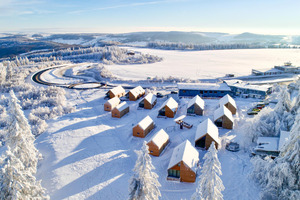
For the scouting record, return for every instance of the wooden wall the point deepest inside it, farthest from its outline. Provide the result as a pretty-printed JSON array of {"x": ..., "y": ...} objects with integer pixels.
[
  {"x": 155, "y": 150},
  {"x": 198, "y": 110},
  {"x": 186, "y": 174},
  {"x": 231, "y": 108},
  {"x": 117, "y": 114},
  {"x": 227, "y": 123},
  {"x": 142, "y": 133},
  {"x": 148, "y": 105},
  {"x": 111, "y": 95},
  {"x": 169, "y": 113},
  {"x": 107, "y": 106}
]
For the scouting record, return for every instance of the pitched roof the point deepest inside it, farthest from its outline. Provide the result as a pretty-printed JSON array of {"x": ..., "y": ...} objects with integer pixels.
[
  {"x": 137, "y": 91},
  {"x": 160, "y": 138},
  {"x": 203, "y": 86},
  {"x": 122, "y": 106},
  {"x": 171, "y": 103},
  {"x": 187, "y": 153},
  {"x": 267, "y": 144},
  {"x": 227, "y": 99},
  {"x": 207, "y": 126},
  {"x": 145, "y": 122},
  {"x": 223, "y": 111},
  {"x": 245, "y": 85},
  {"x": 196, "y": 100},
  {"x": 114, "y": 101},
  {"x": 117, "y": 90},
  {"x": 150, "y": 98}
]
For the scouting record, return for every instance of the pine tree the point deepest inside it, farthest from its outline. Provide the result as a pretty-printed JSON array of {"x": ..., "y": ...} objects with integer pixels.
[
  {"x": 210, "y": 184},
  {"x": 19, "y": 137},
  {"x": 144, "y": 184}
]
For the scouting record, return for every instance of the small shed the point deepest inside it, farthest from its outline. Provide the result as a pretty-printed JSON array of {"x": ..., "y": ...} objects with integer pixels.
[
  {"x": 148, "y": 102},
  {"x": 223, "y": 118},
  {"x": 169, "y": 108},
  {"x": 229, "y": 103},
  {"x": 111, "y": 104},
  {"x": 143, "y": 127},
  {"x": 206, "y": 133},
  {"x": 183, "y": 163},
  {"x": 120, "y": 110},
  {"x": 195, "y": 106},
  {"x": 158, "y": 142},
  {"x": 116, "y": 92},
  {"x": 136, "y": 93}
]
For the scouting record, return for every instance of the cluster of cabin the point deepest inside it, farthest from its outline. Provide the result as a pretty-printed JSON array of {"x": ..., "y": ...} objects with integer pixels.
[{"x": 185, "y": 156}]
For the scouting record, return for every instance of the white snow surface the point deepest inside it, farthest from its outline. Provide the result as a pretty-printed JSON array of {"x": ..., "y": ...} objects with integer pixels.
[
  {"x": 227, "y": 99},
  {"x": 150, "y": 98},
  {"x": 221, "y": 112},
  {"x": 207, "y": 126},
  {"x": 171, "y": 103},
  {"x": 187, "y": 153},
  {"x": 89, "y": 155},
  {"x": 159, "y": 138},
  {"x": 145, "y": 123},
  {"x": 198, "y": 100},
  {"x": 205, "y": 64},
  {"x": 267, "y": 143}
]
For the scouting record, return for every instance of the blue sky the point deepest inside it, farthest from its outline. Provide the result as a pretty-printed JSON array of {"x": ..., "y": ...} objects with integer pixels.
[{"x": 119, "y": 16}]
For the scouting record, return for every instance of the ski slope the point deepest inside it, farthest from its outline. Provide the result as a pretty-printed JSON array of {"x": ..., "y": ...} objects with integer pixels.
[{"x": 90, "y": 155}]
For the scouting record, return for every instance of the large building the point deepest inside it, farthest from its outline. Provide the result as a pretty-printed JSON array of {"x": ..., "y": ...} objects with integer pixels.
[
  {"x": 205, "y": 90},
  {"x": 287, "y": 68}
]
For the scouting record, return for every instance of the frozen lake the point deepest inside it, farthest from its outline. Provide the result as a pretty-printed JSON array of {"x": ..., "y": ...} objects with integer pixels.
[{"x": 205, "y": 64}]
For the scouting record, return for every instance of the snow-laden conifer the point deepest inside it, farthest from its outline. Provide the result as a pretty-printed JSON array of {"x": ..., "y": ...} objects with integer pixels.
[
  {"x": 144, "y": 184},
  {"x": 210, "y": 185},
  {"x": 19, "y": 137}
]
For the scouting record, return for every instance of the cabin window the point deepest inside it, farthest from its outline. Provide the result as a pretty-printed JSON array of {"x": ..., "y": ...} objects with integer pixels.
[
  {"x": 201, "y": 92},
  {"x": 174, "y": 173},
  {"x": 183, "y": 91},
  {"x": 151, "y": 151},
  {"x": 205, "y": 91},
  {"x": 215, "y": 92},
  {"x": 210, "y": 91},
  {"x": 138, "y": 133}
]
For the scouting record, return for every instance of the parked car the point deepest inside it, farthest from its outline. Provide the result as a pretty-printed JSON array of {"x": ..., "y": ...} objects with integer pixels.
[
  {"x": 159, "y": 95},
  {"x": 233, "y": 146},
  {"x": 174, "y": 92}
]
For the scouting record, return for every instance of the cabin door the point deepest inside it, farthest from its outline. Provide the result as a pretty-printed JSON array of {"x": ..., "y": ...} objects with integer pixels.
[
  {"x": 219, "y": 122},
  {"x": 201, "y": 143}
]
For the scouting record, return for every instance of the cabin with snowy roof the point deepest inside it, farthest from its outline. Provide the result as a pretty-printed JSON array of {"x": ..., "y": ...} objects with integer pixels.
[
  {"x": 195, "y": 106},
  {"x": 148, "y": 102},
  {"x": 116, "y": 92},
  {"x": 206, "y": 133},
  {"x": 143, "y": 127},
  {"x": 136, "y": 93},
  {"x": 158, "y": 142},
  {"x": 271, "y": 146},
  {"x": 183, "y": 163},
  {"x": 229, "y": 103},
  {"x": 223, "y": 118},
  {"x": 120, "y": 110},
  {"x": 111, "y": 104},
  {"x": 169, "y": 108}
]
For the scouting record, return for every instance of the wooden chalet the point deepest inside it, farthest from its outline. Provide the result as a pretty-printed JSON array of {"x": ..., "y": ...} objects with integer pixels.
[
  {"x": 195, "y": 106},
  {"x": 148, "y": 102},
  {"x": 143, "y": 127},
  {"x": 120, "y": 110},
  {"x": 116, "y": 92},
  {"x": 136, "y": 93},
  {"x": 111, "y": 104},
  {"x": 158, "y": 142},
  {"x": 206, "y": 133},
  {"x": 223, "y": 118},
  {"x": 183, "y": 163},
  {"x": 169, "y": 108},
  {"x": 229, "y": 103}
]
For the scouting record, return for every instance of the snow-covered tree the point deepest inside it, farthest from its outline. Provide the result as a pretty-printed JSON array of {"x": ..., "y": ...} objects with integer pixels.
[
  {"x": 19, "y": 137},
  {"x": 2, "y": 73},
  {"x": 144, "y": 184},
  {"x": 210, "y": 185}
]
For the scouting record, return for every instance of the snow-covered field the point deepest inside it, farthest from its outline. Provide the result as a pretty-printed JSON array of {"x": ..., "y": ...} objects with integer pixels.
[
  {"x": 205, "y": 64},
  {"x": 90, "y": 155}
]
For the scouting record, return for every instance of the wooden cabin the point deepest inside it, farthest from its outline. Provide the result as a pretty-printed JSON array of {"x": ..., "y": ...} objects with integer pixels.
[
  {"x": 136, "y": 93},
  {"x": 120, "y": 110},
  {"x": 116, "y": 92},
  {"x": 223, "y": 118},
  {"x": 148, "y": 102},
  {"x": 183, "y": 163},
  {"x": 229, "y": 103},
  {"x": 169, "y": 108},
  {"x": 143, "y": 127},
  {"x": 206, "y": 133},
  {"x": 195, "y": 106},
  {"x": 158, "y": 142},
  {"x": 111, "y": 104}
]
